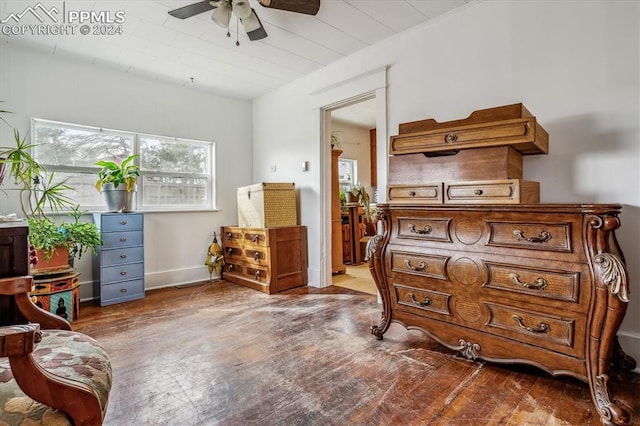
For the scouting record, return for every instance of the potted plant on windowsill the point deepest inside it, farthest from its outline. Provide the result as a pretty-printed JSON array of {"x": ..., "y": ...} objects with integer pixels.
[{"x": 117, "y": 183}]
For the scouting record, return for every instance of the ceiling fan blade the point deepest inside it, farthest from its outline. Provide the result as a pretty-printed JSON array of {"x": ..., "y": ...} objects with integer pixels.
[
  {"x": 308, "y": 7},
  {"x": 191, "y": 10},
  {"x": 253, "y": 27},
  {"x": 222, "y": 14}
]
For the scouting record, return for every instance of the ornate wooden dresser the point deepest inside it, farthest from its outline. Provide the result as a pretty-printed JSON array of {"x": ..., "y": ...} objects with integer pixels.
[{"x": 540, "y": 284}]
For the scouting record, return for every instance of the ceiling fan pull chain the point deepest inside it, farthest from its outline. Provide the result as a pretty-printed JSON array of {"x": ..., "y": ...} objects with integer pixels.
[{"x": 237, "y": 30}]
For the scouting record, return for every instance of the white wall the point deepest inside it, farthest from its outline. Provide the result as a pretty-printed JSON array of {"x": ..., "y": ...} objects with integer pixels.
[
  {"x": 37, "y": 84},
  {"x": 574, "y": 66}
]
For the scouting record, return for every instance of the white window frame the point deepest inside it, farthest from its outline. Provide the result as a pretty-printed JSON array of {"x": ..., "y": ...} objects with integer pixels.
[{"x": 93, "y": 171}]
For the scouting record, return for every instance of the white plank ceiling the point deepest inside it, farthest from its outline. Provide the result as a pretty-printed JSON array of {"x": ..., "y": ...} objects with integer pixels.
[{"x": 196, "y": 52}]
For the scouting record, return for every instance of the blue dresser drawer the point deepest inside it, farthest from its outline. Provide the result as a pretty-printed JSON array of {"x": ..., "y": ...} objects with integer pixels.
[
  {"x": 121, "y": 239},
  {"x": 124, "y": 255},
  {"x": 121, "y": 222},
  {"x": 122, "y": 292},
  {"x": 126, "y": 271}
]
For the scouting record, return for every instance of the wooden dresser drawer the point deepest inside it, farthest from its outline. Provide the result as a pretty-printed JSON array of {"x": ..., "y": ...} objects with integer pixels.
[
  {"x": 426, "y": 194},
  {"x": 522, "y": 133},
  {"x": 508, "y": 191},
  {"x": 421, "y": 301},
  {"x": 547, "y": 331},
  {"x": 545, "y": 236},
  {"x": 423, "y": 229},
  {"x": 419, "y": 264},
  {"x": 256, "y": 237},
  {"x": 258, "y": 256},
  {"x": 541, "y": 284}
]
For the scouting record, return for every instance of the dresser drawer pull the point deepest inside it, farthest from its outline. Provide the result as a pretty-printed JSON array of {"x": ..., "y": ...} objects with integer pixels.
[
  {"x": 477, "y": 192},
  {"x": 450, "y": 138},
  {"x": 123, "y": 272},
  {"x": 425, "y": 302},
  {"x": 123, "y": 290},
  {"x": 424, "y": 231},
  {"x": 229, "y": 236},
  {"x": 255, "y": 238},
  {"x": 123, "y": 256},
  {"x": 229, "y": 267},
  {"x": 257, "y": 275},
  {"x": 420, "y": 268},
  {"x": 123, "y": 239},
  {"x": 539, "y": 284},
  {"x": 256, "y": 256},
  {"x": 412, "y": 193},
  {"x": 542, "y": 327},
  {"x": 229, "y": 250},
  {"x": 123, "y": 222},
  {"x": 542, "y": 237}
]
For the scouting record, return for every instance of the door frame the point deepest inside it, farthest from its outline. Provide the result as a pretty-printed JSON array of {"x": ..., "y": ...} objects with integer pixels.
[{"x": 363, "y": 87}]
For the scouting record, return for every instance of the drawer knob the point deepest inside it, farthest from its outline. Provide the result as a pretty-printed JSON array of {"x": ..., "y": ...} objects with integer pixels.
[
  {"x": 425, "y": 302},
  {"x": 229, "y": 251},
  {"x": 542, "y": 327},
  {"x": 123, "y": 256},
  {"x": 229, "y": 236},
  {"x": 256, "y": 256},
  {"x": 539, "y": 284},
  {"x": 412, "y": 193},
  {"x": 255, "y": 238},
  {"x": 230, "y": 267},
  {"x": 451, "y": 138},
  {"x": 123, "y": 290},
  {"x": 542, "y": 237},
  {"x": 424, "y": 231},
  {"x": 257, "y": 275},
  {"x": 123, "y": 272},
  {"x": 123, "y": 239},
  {"x": 123, "y": 222},
  {"x": 477, "y": 192},
  {"x": 419, "y": 268}
]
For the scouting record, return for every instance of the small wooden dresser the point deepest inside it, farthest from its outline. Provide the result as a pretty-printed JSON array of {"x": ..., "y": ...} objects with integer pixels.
[
  {"x": 266, "y": 259},
  {"x": 539, "y": 284}
]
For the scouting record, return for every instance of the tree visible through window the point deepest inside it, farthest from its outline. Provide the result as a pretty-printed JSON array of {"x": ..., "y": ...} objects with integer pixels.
[{"x": 177, "y": 174}]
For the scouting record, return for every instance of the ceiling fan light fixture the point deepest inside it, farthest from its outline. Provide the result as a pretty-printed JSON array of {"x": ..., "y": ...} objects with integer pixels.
[
  {"x": 222, "y": 14},
  {"x": 241, "y": 8}
]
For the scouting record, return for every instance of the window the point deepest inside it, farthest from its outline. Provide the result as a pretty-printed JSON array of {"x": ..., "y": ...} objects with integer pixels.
[{"x": 176, "y": 174}]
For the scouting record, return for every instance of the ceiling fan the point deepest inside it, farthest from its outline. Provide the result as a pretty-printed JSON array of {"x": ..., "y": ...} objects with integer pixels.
[{"x": 223, "y": 9}]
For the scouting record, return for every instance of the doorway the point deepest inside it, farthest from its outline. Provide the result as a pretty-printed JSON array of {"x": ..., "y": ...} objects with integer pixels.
[{"x": 353, "y": 133}]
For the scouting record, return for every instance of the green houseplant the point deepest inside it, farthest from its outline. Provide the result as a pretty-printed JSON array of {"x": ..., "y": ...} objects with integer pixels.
[
  {"x": 40, "y": 195},
  {"x": 117, "y": 182},
  {"x": 360, "y": 195}
]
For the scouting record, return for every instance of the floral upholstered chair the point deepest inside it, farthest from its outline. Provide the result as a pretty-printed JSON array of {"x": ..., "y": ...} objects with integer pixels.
[{"x": 49, "y": 374}]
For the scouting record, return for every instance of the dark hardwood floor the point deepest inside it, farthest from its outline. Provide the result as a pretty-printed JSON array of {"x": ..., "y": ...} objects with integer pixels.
[{"x": 222, "y": 354}]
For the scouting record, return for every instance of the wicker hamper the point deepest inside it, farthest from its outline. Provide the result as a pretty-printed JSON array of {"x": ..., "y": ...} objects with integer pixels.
[{"x": 267, "y": 205}]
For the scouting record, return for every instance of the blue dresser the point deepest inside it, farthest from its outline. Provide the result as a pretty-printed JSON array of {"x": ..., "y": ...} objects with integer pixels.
[{"x": 120, "y": 262}]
